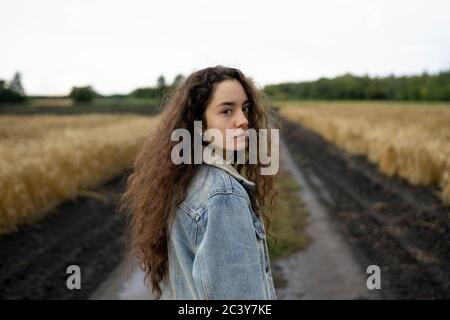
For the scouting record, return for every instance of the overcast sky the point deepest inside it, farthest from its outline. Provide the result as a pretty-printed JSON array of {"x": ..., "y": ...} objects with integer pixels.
[{"x": 117, "y": 46}]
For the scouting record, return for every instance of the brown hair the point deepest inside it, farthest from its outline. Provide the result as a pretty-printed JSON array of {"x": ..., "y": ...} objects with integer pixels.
[{"x": 156, "y": 185}]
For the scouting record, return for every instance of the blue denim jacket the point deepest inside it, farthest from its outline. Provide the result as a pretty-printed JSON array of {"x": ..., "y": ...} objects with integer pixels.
[{"x": 217, "y": 245}]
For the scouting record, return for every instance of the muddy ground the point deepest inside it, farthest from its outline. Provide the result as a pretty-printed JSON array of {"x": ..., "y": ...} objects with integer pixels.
[
  {"x": 403, "y": 229},
  {"x": 86, "y": 232}
]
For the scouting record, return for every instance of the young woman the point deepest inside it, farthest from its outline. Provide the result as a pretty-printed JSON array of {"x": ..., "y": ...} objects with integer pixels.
[{"x": 197, "y": 228}]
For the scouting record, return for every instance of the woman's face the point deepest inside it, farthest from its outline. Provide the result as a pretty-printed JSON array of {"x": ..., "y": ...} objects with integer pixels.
[{"x": 229, "y": 109}]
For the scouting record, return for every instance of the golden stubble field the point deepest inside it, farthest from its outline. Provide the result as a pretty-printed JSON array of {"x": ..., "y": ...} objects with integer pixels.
[
  {"x": 409, "y": 140},
  {"x": 47, "y": 159}
]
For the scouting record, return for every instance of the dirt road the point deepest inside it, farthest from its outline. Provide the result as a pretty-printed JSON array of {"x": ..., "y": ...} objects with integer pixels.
[{"x": 327, "y": 268}]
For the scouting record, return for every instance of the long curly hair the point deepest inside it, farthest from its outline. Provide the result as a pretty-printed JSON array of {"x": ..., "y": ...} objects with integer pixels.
[{"x": 156, "y": 185}]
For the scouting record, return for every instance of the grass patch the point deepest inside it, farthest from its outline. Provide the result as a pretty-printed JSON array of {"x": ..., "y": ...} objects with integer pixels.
[
  {"x": 66, "y": 106},
  {"x": 279, "y": 281},
  {"x": 288, "y": 220}
]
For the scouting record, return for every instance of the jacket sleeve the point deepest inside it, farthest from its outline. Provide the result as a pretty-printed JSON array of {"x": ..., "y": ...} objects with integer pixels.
[{"x": 227, "y": 262}]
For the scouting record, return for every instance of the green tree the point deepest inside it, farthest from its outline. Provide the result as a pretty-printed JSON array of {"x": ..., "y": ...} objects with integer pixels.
[
  {"x": 162, "y": 87},
  {"x": 149, "y": 92},
  {"x": 12, "y": 92},
  {"x": 83, "y": 94},
  {"x": 161, "y": 82},
  {"x": 16, "y": 85},
  {"x": 178, "y": 80}
]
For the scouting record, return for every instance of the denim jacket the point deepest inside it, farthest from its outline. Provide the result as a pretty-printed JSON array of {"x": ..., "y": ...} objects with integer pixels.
[{"x": 217, "y": 245}]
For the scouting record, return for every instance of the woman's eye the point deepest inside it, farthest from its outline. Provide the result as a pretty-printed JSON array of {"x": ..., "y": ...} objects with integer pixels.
[
  {"x": 246, "y": 109},
  {"x": 227, "y": 111}
]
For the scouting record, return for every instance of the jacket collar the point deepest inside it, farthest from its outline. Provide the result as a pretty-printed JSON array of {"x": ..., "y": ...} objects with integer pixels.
[{"x": 217, "y": 161}]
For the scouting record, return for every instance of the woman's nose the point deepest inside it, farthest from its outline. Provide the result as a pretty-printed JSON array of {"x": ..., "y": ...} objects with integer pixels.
[{"x": 241, "y": 121}]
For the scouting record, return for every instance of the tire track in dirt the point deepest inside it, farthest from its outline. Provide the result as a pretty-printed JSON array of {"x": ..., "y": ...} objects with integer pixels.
[
  {"x": 402, "y": 228},
  {"x": 326, "y": 268}
]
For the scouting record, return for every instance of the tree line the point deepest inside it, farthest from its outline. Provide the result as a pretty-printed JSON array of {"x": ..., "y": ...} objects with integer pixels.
[
  {"x": 430, "y": 87},
  {"x": 426, "y": 87},
  {"x": 13, "y": 92},
  {"x": 86, "y": 94}
]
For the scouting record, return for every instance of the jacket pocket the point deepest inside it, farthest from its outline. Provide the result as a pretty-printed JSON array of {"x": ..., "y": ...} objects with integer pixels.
[{"x": 195, "y": 214}]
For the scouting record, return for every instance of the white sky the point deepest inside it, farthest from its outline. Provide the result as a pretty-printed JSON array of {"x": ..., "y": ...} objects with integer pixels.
[{"x": 117, "y": 46}]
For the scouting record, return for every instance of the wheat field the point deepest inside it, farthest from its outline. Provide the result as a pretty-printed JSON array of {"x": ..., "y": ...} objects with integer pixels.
[
  {"x": 409, "y": 140},
  {"x": 45, "y": 160}
]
